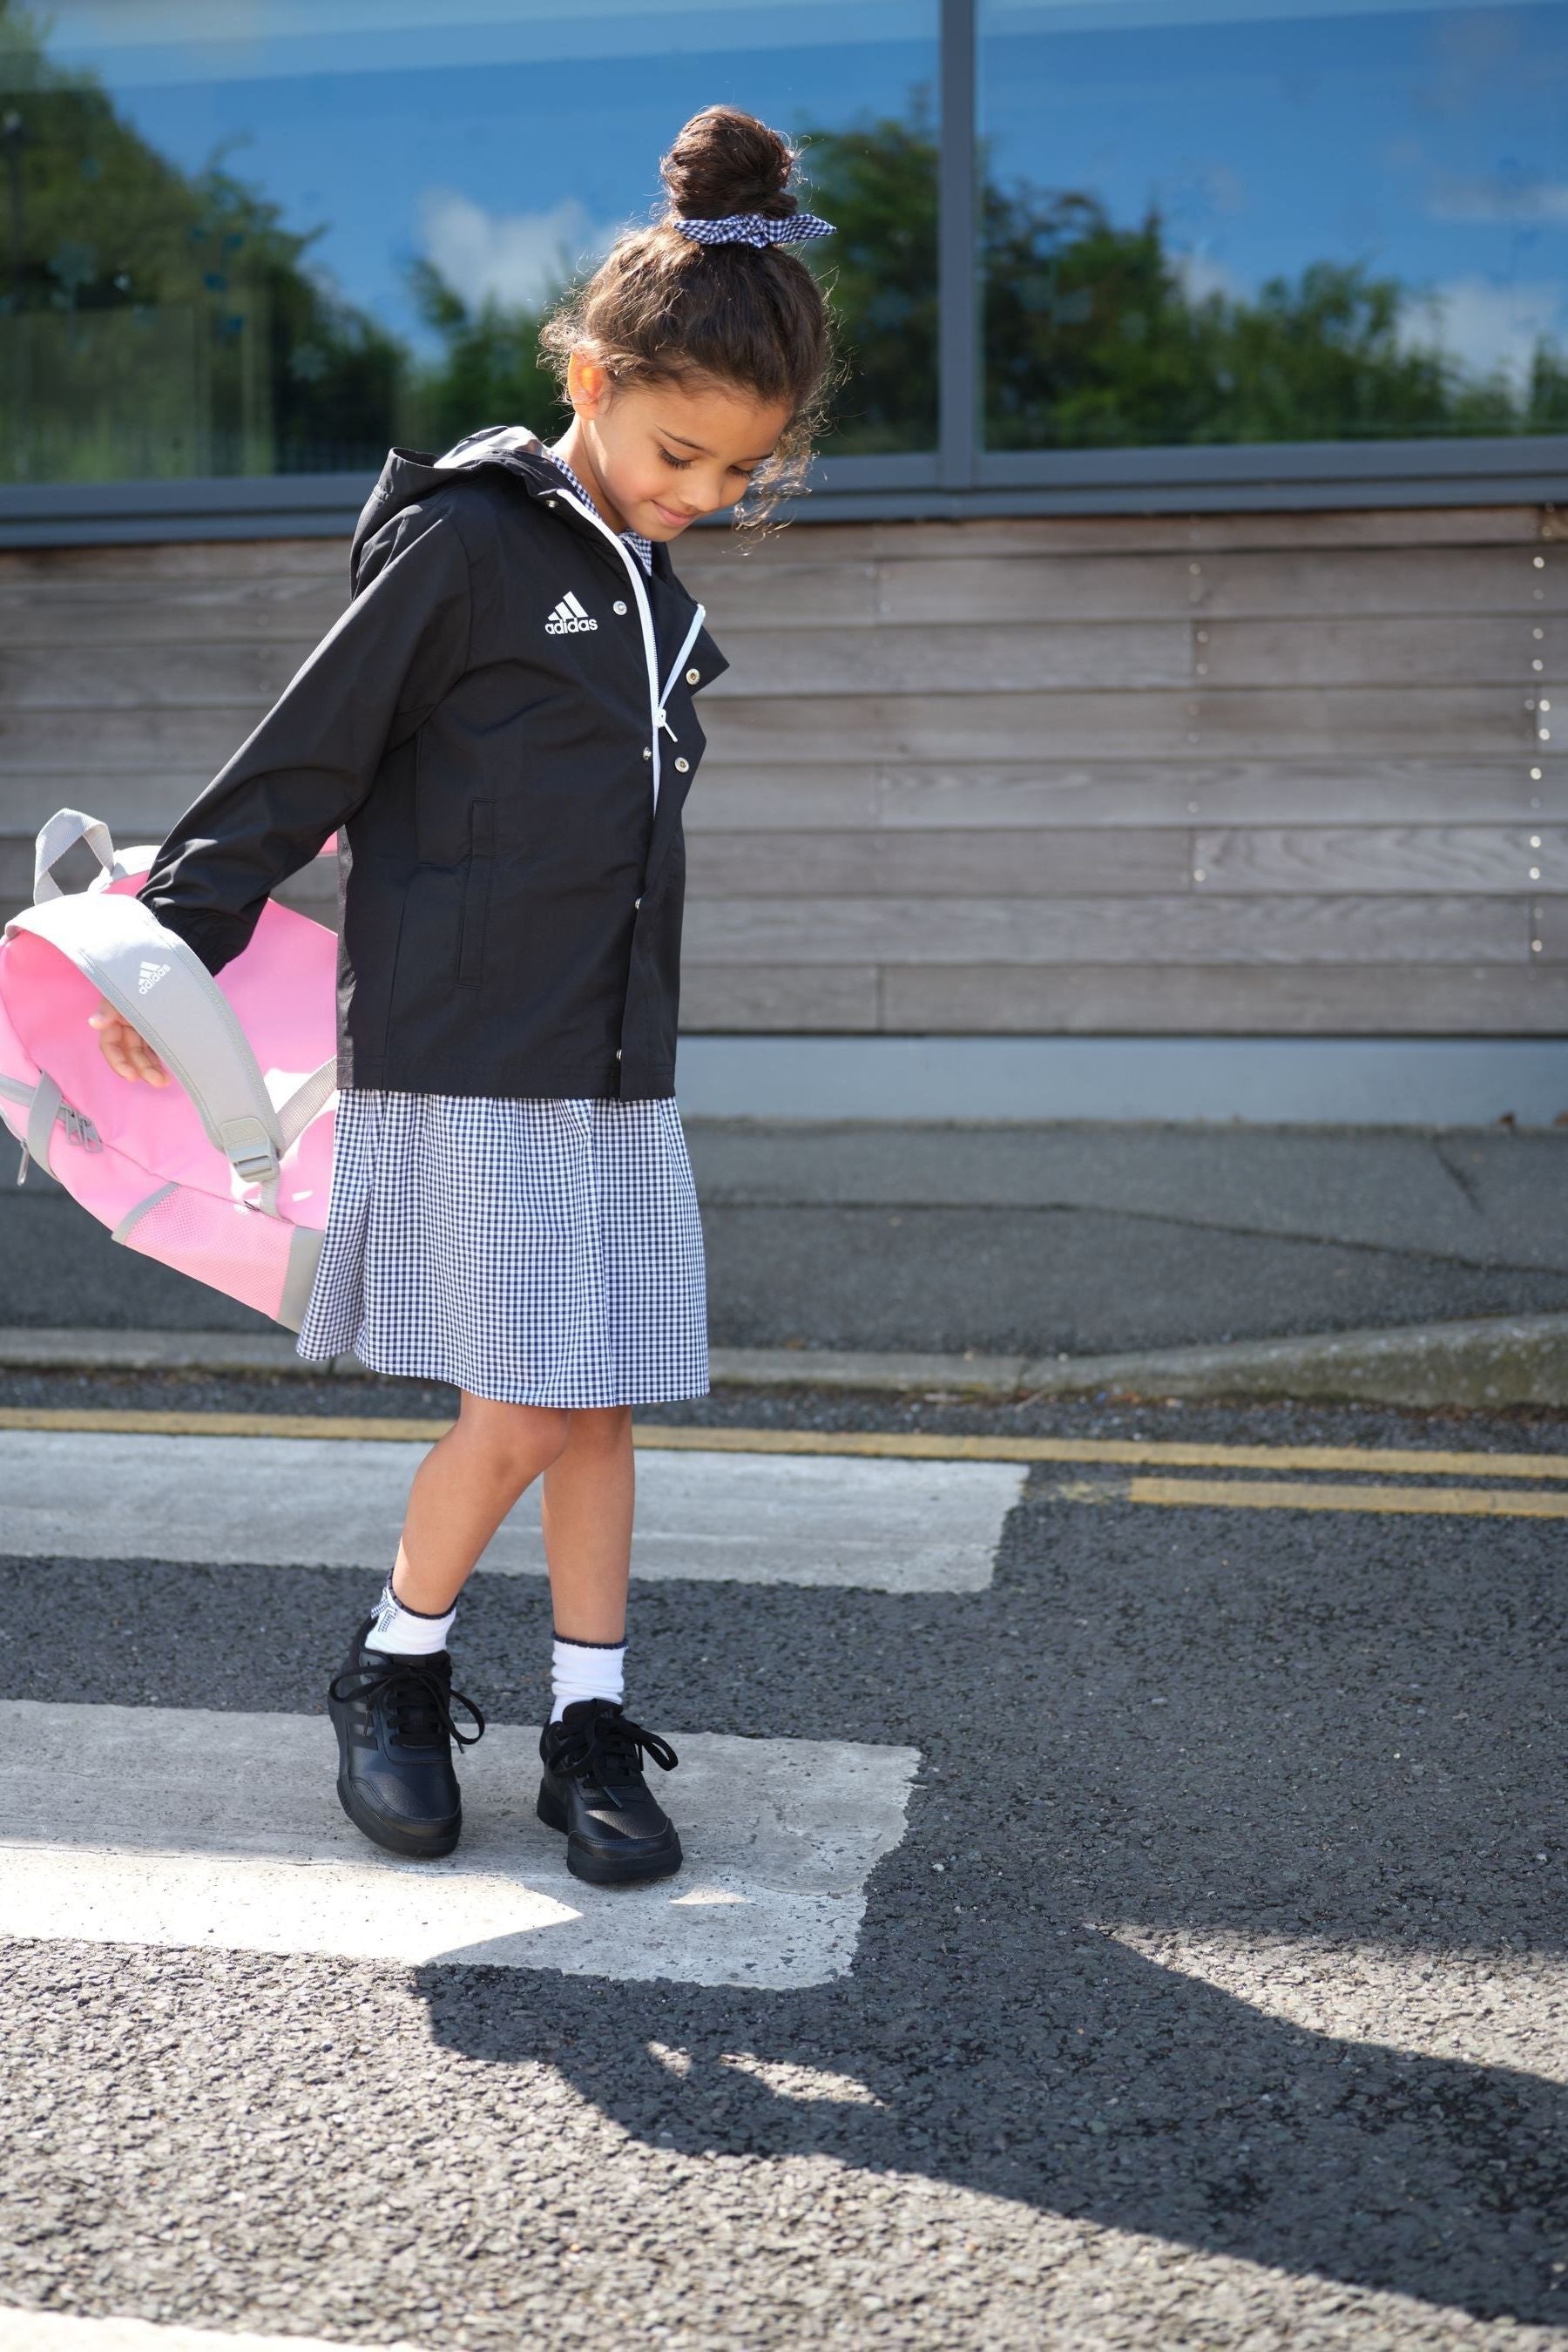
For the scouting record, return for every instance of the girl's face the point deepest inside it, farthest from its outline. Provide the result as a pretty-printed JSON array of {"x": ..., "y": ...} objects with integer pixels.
[{"x": 657, "y": 456}]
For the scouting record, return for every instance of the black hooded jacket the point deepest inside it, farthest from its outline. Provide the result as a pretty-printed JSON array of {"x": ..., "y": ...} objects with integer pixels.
[{"x": 501, "y": 729}]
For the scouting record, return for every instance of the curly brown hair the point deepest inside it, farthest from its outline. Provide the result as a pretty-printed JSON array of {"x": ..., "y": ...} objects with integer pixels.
[{"x": 662, "y": 309}]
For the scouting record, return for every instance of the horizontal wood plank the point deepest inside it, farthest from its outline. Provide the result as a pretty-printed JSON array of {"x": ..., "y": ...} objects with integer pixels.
[
  {"x": 1283, "y": 723},
  {"x": 1345, "y": 789},
  {"x": 793, "y": 998},
  {"x": 796, "y": 584},
  {"x": 157, "y": 561},
  {"x": 1309, "y": 530},
  {"x": 148, "y": 677},
  {"x": 958, "y": 865},
  {"x": 1122, "y": 793},
  {"x": 1372, "y": 582},
  {"x": 78, "y": 743},
  {"x": 1005, "y": 658},
  {"x": 135, "y": 808},
  {"x": 1514, "y": 859},
  {"x": 138, "y": 803},
  {"x": 237, "y": 610},
  {"x": 1225, "y": 1000},
  {"x": 1395, "y": 650},
  {"x": 968, "y": 657},
  {"x": 1109, "y": 930},
  {"x": 1197, "y": 535},
  {"x": 1549, "y": 930}
]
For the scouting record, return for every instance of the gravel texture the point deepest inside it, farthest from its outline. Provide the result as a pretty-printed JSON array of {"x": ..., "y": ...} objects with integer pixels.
[{"x": 1213, "y": 1997}]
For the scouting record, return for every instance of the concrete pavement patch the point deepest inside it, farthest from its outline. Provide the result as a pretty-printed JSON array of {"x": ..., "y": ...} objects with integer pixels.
[
  {"x": 130, "y": 1825},
  {"x": 754, "y": 1518}
]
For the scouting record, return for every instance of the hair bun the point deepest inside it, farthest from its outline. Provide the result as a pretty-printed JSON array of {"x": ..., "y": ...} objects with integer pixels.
[{"x": 724, "y": 161}]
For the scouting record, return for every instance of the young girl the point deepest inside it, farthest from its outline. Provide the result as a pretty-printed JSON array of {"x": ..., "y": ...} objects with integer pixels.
[{"x": 501, "y": 728}]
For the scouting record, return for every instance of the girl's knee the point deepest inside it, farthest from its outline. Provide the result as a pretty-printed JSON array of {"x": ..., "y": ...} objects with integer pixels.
[
  {"x": 516, "y": 1441},
  {"x": 602, "y": 1428}
]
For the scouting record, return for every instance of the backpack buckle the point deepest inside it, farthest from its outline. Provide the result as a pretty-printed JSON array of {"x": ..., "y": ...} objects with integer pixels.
[
  {"x": 254, "y": 1167},
  {"x": 79, "y": 1128}
]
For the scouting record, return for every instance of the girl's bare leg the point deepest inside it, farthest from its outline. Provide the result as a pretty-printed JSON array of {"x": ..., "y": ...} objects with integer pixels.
[
  {"x": 464, "y": 1488},
  {"x": 586, "y": 1510},
  {"x": 473, "y": 1475}
]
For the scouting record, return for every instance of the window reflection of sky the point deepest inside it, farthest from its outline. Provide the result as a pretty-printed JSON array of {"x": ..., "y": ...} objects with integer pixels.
[
  {"x": 1426, "y": 141},
  {"x": 488, "y": 173}
]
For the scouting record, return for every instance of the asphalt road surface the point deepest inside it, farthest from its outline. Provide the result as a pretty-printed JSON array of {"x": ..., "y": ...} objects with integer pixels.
[
  {"x": 1126, "y": 1910},
  {"x": 1038, "y": 1240}
]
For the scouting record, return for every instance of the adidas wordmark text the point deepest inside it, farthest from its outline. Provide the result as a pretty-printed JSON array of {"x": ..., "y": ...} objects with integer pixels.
[
  {"x": 149, "y": 977},
  {"x": 568, "y": 615}
]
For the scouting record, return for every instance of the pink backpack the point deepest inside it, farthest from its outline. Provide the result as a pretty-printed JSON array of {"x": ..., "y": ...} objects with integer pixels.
[{"x": 225, "y": 1172}]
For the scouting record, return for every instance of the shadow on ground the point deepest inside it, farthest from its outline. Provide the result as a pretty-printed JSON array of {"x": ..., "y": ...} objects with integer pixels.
[{"x": 1329, "y": 1734}]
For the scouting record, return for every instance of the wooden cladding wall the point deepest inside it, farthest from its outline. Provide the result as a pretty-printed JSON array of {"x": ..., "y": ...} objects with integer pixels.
[{"x": 1256, "y": 772}]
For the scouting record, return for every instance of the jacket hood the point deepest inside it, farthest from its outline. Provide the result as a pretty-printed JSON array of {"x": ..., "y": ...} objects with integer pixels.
[{"x": 409, "y": 475}]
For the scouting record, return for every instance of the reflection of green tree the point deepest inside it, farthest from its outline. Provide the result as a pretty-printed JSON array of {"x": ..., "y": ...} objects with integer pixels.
[
  {"x": 154, "y": 321},
  {"x": 158, "y": 321},
  {"x": 490, "y": 372},
  {"x": 877, "y": 183},
  {"x": 1092, "y": 341}
]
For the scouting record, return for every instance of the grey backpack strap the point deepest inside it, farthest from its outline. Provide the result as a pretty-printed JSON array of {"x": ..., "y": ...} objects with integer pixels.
[
  {"x": 296, "y": 1111},
  {"x": 62, "y": 831},
  {"x": 166, "y": 993}
]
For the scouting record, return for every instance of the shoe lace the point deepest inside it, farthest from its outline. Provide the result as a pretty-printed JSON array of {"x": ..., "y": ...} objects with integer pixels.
[
  {"x": 418, "y": 1706},
  {"x": 609, "y": 1748}
]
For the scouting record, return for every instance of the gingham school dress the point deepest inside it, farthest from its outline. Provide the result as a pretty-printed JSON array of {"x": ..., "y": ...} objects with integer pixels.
[{"x": 533, "y": 1250}]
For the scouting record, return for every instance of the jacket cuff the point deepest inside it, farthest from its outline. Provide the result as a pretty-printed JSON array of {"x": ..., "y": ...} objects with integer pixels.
[{"x": 209, "y": 937}]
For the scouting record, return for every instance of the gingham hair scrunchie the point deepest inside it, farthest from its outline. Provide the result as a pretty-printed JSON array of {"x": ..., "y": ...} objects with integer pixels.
[{"x": 754, "y": 228}]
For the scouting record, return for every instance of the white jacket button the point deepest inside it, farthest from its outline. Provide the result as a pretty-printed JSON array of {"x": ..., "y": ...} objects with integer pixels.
[
  {"x": 617, "y": 606},
  {"x": 646, "y": 751},
  {"x": 683, "y": 765},
  {"x": 617, "y": 1053},
  {"x": 693, "y": 677}
]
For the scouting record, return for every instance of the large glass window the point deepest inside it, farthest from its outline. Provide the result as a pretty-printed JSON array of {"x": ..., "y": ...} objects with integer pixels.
[
  {"x": 270, "y": 236},
  {"x": 1231, "y": 221},
  {"x": 259, "y": 238}
]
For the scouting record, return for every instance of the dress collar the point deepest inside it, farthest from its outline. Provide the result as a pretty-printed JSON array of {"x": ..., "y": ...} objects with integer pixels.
[{"x": 641, "y": 547}]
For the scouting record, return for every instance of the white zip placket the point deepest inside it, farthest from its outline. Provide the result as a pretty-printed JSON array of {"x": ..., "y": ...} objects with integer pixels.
[{"x": 658, "y": 695}]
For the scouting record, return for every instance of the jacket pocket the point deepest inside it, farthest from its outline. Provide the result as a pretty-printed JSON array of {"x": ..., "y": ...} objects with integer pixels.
[{"x": 476, "y": 893}]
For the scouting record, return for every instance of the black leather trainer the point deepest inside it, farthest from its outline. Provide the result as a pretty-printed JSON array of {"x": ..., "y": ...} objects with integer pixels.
[
  {"x": 594, "y": 1790},
  {"x": 393, "y": 1721}
]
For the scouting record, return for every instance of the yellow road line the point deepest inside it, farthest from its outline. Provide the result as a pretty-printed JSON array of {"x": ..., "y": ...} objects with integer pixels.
[
  {"x": 1291, "y": 1495},
  {"x": 149, "y": 1424},
  {"x": 898, "y": 1445}
]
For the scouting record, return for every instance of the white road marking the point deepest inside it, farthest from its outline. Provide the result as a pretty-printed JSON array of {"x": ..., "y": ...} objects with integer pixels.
[
  {"x": 60, "y": 2331},
  {"x": 1490, "y": 2009},
  {"x": 759, "y": 1519},
  {"x": 150, "y": 1825}
]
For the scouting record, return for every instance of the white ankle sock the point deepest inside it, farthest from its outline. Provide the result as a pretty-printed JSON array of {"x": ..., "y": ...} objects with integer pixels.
[
  {"x": 585, "y": 1670},
  {"x": 406, "y": 1633}
]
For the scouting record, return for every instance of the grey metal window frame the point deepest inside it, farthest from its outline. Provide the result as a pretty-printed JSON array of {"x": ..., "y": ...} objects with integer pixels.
[{"x": 958, "y": 477}]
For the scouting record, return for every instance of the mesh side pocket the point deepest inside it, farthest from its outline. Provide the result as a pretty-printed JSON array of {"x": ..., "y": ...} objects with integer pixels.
[{"x": 227, "y": 1244}]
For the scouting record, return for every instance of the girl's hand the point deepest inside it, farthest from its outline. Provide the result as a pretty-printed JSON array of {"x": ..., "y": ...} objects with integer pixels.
[{"x": 128, "y": 1054}]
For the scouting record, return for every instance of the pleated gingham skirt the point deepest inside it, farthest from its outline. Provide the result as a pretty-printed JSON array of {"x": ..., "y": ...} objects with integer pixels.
[{"x": 534, "y": 1251}]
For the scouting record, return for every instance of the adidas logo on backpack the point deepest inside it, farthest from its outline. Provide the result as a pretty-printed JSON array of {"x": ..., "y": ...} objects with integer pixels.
[
  {"x": 149, "y": 976},
  {"x": 568, "y": 617}
]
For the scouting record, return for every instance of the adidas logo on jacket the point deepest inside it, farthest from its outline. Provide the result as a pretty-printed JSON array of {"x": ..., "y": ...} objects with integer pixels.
[{"x": 569, "y": 615}]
